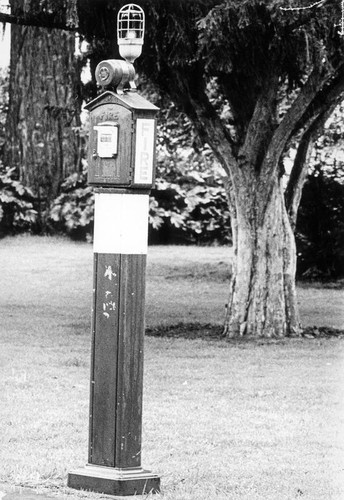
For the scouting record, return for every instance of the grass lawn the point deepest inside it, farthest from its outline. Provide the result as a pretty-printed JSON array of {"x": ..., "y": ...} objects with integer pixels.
[{"x": 238, "y": 420}]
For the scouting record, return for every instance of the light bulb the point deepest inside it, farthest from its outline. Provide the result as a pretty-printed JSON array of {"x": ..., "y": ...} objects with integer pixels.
[{"x": 130, "y": 35}]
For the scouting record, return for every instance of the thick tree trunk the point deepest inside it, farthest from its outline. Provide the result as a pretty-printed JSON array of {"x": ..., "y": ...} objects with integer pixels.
[
  {"x": 43, "y": 110},
  {"x": 262, "y": 292}
]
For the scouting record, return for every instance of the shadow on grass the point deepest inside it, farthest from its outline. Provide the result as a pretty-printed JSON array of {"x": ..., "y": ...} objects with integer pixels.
[
  {"x": 195, "y": 331},
  {"x": 321, "y": 284}
]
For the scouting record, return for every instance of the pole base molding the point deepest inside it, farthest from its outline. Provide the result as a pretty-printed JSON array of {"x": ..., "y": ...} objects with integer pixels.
[{"x": 113, "y": 481}]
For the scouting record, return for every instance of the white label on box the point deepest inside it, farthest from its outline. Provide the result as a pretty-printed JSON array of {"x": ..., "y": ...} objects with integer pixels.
[
  {"x": 144, "y": 153},
  {"x": 107, "y": 140}
]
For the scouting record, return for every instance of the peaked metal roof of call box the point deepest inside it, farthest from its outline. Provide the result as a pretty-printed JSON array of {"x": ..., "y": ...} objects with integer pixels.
[{"x": 130, "y": 100}]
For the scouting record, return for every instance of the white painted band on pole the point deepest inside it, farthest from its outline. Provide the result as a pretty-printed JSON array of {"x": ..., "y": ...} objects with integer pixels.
[{"x": 121, "y": 223}]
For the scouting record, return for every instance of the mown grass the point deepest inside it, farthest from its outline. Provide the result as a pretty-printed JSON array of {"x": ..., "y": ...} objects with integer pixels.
[
  {"x": 256, "y": 420},
  {"x": 188, "y": 284}
]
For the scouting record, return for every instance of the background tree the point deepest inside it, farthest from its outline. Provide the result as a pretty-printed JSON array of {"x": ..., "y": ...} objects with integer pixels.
[
  {"x": 44, "y": 109},
  {"x": 228, "y": 67}
]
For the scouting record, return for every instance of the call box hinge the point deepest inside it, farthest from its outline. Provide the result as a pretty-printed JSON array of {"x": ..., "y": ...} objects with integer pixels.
[
  {"x": 131, "y": 172},
  {"x": 131, "y": 169}
]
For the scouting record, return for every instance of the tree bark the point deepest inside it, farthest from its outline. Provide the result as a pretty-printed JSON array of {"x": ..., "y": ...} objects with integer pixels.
[
  {"x": 262, "y": 299},
  {"x": 44, "y": 110},
  {"x": 262, "y": 294}
]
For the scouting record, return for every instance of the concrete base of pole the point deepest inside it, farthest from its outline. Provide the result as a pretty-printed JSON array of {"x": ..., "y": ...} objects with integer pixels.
[{"x": 113, "y": 481}]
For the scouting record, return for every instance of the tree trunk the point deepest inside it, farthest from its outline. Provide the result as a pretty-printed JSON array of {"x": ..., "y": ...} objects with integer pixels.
[
  {"x": 43, "y": 110},
  {"x": 262, "y": 291}
]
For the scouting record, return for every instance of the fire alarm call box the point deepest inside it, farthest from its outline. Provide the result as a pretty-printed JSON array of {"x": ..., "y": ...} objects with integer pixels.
[{"x": 122, "y": 141}]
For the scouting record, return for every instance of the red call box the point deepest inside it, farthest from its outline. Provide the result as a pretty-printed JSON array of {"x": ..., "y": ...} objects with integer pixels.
[{"x": 121, "y": 141}]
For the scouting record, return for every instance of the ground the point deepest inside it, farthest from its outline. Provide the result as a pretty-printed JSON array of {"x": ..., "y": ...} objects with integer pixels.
[{"x": 222, "y": 420}]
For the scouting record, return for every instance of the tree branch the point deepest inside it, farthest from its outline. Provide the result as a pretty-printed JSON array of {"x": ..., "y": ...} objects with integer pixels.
[
  {"x": 261, "y": 125},
  {"x": 187, "y": 89},
  {"x": 318, "y": 94},
  {"x": 292, "y": 118},
  {"x": 304, "y": 111},
  {"x": 48, "y": 21},
  {"x": 320, "y": 3},
  {"x": 298, "y": 174},
  {"x": 328, "y": 96}
]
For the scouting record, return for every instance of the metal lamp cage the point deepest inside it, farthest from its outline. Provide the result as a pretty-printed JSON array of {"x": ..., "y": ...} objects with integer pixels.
[{"x": 130, "y": 23}]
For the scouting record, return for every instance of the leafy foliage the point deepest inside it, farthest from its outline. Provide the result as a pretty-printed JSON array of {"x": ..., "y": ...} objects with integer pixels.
[
  {"x": 240, "y": 43},
  {"x": 72, "y": 212},
  {"x": 17, "y": 213},
  {"x": 189, "y": 204},
  {"x": 320, "y": 224},
  {"x": 320, "y": 228},
  {"x": 183, "y": 207}
]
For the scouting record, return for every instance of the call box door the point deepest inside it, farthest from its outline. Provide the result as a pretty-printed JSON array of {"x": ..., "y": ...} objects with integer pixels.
[{"x": 109, "y": 156}]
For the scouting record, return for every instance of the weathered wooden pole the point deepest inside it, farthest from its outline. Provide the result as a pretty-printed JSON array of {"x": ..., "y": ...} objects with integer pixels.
[{"x": 121, "y": 167}]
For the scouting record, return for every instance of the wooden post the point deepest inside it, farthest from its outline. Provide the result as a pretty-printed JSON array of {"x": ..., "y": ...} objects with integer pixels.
[
  {"x": 120, "y": 247},
  {"x": 121, "y": 164}
]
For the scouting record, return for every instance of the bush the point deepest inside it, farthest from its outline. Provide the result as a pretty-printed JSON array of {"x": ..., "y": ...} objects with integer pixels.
[
  {"x": 188, "y": 204},
  {"x": 73, "y": 210},
  {"x": 192, "y": 208},
  {"x": 17, "y": 213},
  {"x": 320, "y": 229},
  {"x": 184, "y": 208}
]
